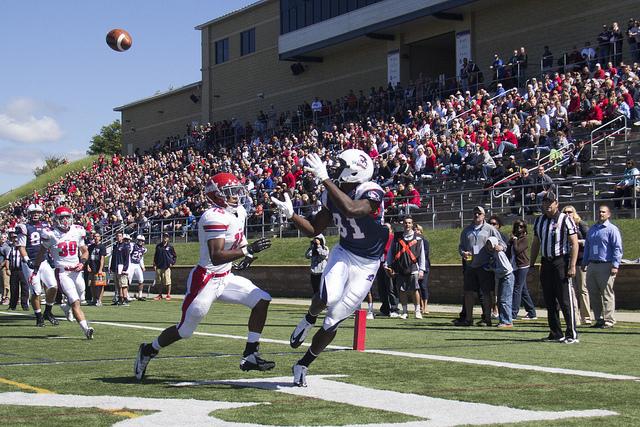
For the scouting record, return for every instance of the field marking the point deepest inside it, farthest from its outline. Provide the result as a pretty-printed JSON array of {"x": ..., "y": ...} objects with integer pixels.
[
  {"x": 481, "y": 362},
  {"x": 24, "y": 386}
]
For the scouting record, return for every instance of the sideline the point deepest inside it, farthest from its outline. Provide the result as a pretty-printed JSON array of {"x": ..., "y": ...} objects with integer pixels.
[{"x": 480, "y": 362}]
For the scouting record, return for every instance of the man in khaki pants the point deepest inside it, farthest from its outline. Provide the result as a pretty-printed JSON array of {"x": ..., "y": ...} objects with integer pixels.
[
  {"x": 5, "y": 274},
  {"x": 602, "y": 255},
  {"x": 163, "y": 259}
]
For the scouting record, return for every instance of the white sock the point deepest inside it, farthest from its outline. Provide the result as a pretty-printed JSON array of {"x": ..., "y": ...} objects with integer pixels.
[
  {"x": 416, "y": 308},
  {"x": 84, "y": 326},
  {"x": 253, "y": 337},
  {"x": 370, "y": 306},
  {"x": 156, "y": 345}
]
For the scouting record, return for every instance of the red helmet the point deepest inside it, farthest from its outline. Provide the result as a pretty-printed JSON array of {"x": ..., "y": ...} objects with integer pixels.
[
  {"x": 63, "y": 217},
  {"x": 225, "y": 190}
]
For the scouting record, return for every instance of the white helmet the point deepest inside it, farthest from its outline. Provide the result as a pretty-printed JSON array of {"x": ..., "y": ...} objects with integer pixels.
[
  {"x": 34, "y": 212},
  {"x": 354, "y": 166},
  {"x": 125, "y": 236},
  {"x": 140, "y": 238}
]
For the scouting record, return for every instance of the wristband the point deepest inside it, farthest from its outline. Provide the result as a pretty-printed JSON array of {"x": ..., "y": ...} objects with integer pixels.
[
  {"x": 25, "y": 258},
  {"x": 245, "y": 251}
]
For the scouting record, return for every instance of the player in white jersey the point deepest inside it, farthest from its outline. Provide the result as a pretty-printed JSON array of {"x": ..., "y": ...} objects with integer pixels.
[
  {"x": 70, "y": 255},
  {"x": 29, "y": 244},
  {"x": 355, "y": 206},
  {"x": 222, "y": 241}
]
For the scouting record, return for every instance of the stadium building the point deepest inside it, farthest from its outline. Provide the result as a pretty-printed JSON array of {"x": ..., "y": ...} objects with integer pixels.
[{"x": 274, "y": 55}]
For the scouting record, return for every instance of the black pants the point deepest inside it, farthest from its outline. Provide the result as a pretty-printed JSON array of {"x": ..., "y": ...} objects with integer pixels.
[
  {"x": 555, "y": 288},
  {"x": 315, "y": 282},
  {"x": 18, "y": 287},
  {"x": 387, "y": 292}
]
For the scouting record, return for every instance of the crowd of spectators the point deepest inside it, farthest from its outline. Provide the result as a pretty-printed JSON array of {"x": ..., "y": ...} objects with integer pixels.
[{"x": 414, "y": 135}]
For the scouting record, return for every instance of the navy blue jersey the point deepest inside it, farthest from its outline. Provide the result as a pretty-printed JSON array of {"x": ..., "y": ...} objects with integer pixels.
[
  {"x": 137, "y": 252},
  {"x": 365, "y": 236},
  {"x": 29, "y": 237}
]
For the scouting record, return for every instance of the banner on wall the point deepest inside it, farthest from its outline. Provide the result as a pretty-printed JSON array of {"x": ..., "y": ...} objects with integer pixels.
[
  {"x": 463, "y": 49},
  {"x": 393, "y": 67}
]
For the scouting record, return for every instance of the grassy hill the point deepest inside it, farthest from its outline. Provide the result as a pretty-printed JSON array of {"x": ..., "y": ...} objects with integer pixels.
[
  {"x": 44, "y": 179},
  {"x": 444, "y": 247}
]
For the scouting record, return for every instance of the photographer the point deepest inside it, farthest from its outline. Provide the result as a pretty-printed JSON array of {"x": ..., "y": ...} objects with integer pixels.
[{"x": 318, "y": 252}]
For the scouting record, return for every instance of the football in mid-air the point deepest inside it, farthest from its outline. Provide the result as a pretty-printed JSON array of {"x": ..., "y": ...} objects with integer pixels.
[{"x": 119, "y": 40}]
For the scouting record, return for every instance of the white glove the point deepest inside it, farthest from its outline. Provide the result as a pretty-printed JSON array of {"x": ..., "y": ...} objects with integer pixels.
[
  {"x": 316, "y": 166},
  {"x": 286, "y": 207}
]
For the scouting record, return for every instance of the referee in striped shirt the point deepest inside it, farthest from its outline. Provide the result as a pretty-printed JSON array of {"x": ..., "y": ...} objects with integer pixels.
[{"x": 555, "y": 236}]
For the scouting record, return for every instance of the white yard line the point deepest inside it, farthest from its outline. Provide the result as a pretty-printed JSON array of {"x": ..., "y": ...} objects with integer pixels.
[{"x": 574, "y": 372}]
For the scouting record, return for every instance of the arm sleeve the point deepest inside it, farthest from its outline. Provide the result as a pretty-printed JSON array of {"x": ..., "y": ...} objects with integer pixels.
[
  {"x": 587, "y": 250},
  {"x": 46, "y": 239},
  {"x": 616, "y": 243},
  {"x": 21, "y": 232},
  {"x": 214, "y": 226}
]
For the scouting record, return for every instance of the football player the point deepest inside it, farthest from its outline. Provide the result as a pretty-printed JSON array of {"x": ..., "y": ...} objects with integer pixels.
[
  {"x": 29, "y": 244},
  {"x": 70, "y": 255},
  {"x": 222, "y": 241},
  {"x": 355, "y": 206},
  {"x": 136, "y": 265}
]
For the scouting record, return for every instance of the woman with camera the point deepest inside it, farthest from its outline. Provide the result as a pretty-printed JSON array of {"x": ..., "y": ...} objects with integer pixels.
[{"x": 318, "y": 252}]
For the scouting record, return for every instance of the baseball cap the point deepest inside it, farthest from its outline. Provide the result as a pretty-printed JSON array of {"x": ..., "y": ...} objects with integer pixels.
[
  {"x": 479, "y": 209},
  {"x": 550, "y": 196},
  {"x": 165, "y": 234},
  {"x": 126, "y": 236}
]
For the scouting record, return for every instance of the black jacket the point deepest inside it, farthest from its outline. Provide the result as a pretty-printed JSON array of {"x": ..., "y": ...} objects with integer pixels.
[{"x": 165, "y": 256}]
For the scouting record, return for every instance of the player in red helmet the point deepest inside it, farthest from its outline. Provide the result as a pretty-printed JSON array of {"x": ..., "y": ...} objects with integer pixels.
[
  {"x": 70, "y": 255},
  {"x": 222, "y": 241}
]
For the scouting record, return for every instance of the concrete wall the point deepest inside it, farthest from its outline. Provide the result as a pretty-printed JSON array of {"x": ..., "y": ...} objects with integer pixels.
[{"x": 445, "y": 285}]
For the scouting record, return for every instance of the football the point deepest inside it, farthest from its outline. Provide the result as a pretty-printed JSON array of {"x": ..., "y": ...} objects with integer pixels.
[{"x": 119, "y": 40}]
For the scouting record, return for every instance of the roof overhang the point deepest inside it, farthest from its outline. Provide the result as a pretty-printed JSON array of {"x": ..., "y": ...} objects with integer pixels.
[{"x": 372, "y": 19}]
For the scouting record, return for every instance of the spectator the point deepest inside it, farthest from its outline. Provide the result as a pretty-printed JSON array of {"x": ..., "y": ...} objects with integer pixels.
[
  {"x": 411, "y": 199},
  {"x": 386, "y": 289},
  {"x": 164, "y": 258},
  {"x": 547, "y": 59},
  {"x": 579, "y": 289},
  {"x": 604, "y": 44},
  {"x": 405, "y": 264},
  {"x": 95, "y": 269},
  {"x": 603, "y": 253},
  {"x": 501, "y": 266},
  {"x": 424, "y": 283},
  {"x": 474, "y": 255},
  {"x": 517, "y": 252},
  {"x": 317, "y": 252},
  {"x": 543, "y": 184},
  {"x": 625, "y": 188},
  {"x": 616, "y": 44},
  {"x": 5, "y": 274},
  {"x": 588, "y": 55}
]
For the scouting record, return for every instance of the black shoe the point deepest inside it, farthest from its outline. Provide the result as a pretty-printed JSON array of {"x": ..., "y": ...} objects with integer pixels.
[
  {"x": 483, "y": 322},
  {"x": 551, "y": 338},
  {"x": 51, "y": 318},
  {"x": 599, "y": 324},
  {"x": 40, "y": 322},
  {"x": 145, "y": 353},
  {"x": 25, "y": 307},
  {"x": 459, "y": 322},
  {"x": 253, "y": 362}
]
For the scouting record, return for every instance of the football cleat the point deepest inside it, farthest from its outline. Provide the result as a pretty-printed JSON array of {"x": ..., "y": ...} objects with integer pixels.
[
  {"x": 300, "y": 333},
  {"x": 40, "y": 322},
  {"x": 299, "y": 375},
  {"x": 145, "y": 354},
  {"x": 68, "y": 312},
  {"x": 254, "y": 362},
  {"x": 51, "y": 318},
  {"x": 89, "y": 333}
]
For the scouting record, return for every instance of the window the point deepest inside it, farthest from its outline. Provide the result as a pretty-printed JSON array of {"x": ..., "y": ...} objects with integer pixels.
[
  {"x": 222, "y": 51},
  {"x": 248, "y": 41}
]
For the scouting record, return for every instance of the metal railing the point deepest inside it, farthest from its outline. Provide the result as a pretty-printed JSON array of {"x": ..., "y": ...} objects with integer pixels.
[{"x": 608, "y": 134}]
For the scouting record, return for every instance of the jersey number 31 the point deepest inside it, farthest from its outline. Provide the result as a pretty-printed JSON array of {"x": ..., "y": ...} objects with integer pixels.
[{"x": 344, "y": 231}]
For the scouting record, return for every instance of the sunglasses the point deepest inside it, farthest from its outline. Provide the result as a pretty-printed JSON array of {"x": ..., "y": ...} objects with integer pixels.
[
  {"x": 493, "y": 223},
  {"x": 568, "y": 212}
]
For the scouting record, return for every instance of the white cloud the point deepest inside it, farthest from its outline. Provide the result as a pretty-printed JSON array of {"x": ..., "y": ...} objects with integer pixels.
[
  {"x": 20, "y": 161},
  {"x": 25, "y": 120}
]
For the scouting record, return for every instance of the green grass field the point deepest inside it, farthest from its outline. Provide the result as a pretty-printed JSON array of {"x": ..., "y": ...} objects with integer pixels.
[
  {"x": 444, "y": 247},
  {"x": 59, "y": 360}
]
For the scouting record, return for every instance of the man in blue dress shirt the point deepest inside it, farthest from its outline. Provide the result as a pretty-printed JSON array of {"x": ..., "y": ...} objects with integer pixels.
[{"x": 602, "y": 255}]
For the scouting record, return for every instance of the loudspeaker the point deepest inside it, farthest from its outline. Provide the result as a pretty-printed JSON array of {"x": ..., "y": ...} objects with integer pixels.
[
  {"x": 297, "y": 68},
  {"x": 194, "y": 99}
]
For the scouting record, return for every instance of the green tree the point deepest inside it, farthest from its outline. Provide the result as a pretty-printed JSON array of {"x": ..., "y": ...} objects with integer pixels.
[
  {"x": 50, "y": 163},
  {"x": 108, "y": 141}
]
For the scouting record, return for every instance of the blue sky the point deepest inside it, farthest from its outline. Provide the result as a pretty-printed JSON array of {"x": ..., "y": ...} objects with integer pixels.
[{"x": 59, "y": 81}]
